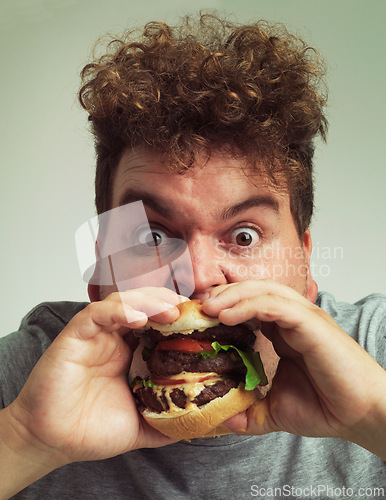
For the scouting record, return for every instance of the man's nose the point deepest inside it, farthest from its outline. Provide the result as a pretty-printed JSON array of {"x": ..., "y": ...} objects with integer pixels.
[{"x": 209, "y": 266}]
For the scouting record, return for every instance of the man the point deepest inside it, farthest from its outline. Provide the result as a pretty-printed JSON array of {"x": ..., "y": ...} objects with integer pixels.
[{"x": 210, "y": 125}]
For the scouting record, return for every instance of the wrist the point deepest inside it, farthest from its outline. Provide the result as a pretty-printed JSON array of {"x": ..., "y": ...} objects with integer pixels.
[
  {"x": 369, "y": 432},
  {"x": 23, "y": 459}
]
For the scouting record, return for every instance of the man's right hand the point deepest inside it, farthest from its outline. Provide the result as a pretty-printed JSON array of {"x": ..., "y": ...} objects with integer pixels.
[{"x": 77, "y": 405}]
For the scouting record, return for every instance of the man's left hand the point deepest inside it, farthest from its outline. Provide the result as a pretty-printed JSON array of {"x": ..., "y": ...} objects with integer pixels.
[{"x": 326, "y": 385}]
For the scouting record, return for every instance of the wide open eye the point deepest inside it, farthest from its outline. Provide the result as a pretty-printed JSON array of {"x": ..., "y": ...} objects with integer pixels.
[
  {"x": 149, "y": 249},
  {"x": 152, "y": 238},
  {"x": 154, "y": 242},
  {"x": 245, "y": 237}
]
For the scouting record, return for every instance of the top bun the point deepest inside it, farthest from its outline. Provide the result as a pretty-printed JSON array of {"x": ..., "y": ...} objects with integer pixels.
[{"x": 191, "y": 318}]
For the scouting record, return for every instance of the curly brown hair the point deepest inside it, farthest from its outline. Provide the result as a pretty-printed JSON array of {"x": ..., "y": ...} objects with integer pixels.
[{"x": 209, "y": 84}]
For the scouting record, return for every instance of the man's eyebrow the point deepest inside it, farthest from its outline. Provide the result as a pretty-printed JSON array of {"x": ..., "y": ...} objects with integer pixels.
[
  {"x": 166, "y": 211},
  {"x": 267, "y": 201},
  {"x": 148, "y": 200}
]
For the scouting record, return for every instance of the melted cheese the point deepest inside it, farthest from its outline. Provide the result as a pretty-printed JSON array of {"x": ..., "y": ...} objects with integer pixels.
[
  {"x": 184, "y": 332},
  {"x": 191, "y": 387}
]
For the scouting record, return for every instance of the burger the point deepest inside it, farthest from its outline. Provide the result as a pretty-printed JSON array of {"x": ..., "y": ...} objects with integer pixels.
[{"x": 200, "y": 372}]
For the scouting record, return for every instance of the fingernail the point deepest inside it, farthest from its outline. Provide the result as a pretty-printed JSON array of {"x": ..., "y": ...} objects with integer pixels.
[
  {"x": 168, "y": 306},
  {"x": 207, "y": 298},
  {"x": 135, "y": 316}
]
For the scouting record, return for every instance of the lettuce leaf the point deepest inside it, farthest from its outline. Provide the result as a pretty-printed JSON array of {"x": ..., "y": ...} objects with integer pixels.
[
  {"x": 140, "y": 380},
  {"x": 255, "y": 371}
]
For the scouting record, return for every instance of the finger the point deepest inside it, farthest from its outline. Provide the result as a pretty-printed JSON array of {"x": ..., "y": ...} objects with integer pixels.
[
  {"x": 287, "y": 407},
  {"x": 225, "y": 296},
  {"x": 161, "y": 293},
  {"x": 237, "y": 424},
  {"x": 157, "y": 303},
  {"x": 258, "y": 418},
  {"x": 329, "y": 353},
  {"x": 105, "y": 315},
  {"x": 284, "y": 407},
  {"x": 216, "y": 291},
  {"x": 289, "y": 315},
  {"x": 255, "y": 421}
]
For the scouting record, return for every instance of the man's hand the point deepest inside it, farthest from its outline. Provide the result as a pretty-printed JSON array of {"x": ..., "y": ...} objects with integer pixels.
[
  {"x": 325, "y": 385},
  {"x": 76, "y": 405}
]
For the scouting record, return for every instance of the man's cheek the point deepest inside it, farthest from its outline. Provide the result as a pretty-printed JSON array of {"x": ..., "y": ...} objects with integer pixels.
[
  {"x": 242, "y": 270},
  {"x": 260, "y": 271},
  {"x": 105, "y": 291},
  {"x": 173, "y": 271}
]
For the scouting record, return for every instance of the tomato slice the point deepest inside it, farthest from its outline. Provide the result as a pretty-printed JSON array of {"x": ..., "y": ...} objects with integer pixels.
[
  {"x": 205, "y": 377},
  {"x": 166, "y": 381},
  {"x": 185, "y": 345},
  {"x": 173, "y": 381}
]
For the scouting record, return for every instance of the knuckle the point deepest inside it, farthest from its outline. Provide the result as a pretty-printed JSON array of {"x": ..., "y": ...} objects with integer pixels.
[
  {"x": 113, "y": 297},
  {"x": 91, "y": 308},
  {"x": 324, "y": 315}
]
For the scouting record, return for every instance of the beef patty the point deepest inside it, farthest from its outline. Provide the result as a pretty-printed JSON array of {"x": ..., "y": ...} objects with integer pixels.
[
  {"x": 173, "y": 362},
  {"x": 147, "y": 398},
  {"x": 239, "y": 336}
]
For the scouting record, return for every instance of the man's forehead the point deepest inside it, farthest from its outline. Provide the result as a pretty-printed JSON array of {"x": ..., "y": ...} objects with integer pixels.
[{"x": 139, "y": 161}]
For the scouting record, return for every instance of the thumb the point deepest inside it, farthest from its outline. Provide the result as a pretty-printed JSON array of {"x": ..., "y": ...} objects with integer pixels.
[{"x": 254, "y": 421}]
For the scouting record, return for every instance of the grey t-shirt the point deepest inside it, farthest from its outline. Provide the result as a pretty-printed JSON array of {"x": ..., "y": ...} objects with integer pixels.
[{"x": 278, "y": 465}]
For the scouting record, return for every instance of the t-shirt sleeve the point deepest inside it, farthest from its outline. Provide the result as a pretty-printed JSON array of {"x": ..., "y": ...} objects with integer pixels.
[
  {"x": 372, "y": 326},
  {"x": 381, "y": 339},
  {"x": 364, "y": 321},
  {"x": 21, "y": 350}
]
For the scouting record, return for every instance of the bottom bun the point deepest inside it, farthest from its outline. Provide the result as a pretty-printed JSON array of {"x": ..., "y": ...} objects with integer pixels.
[{"x": 203, "y": 421}]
